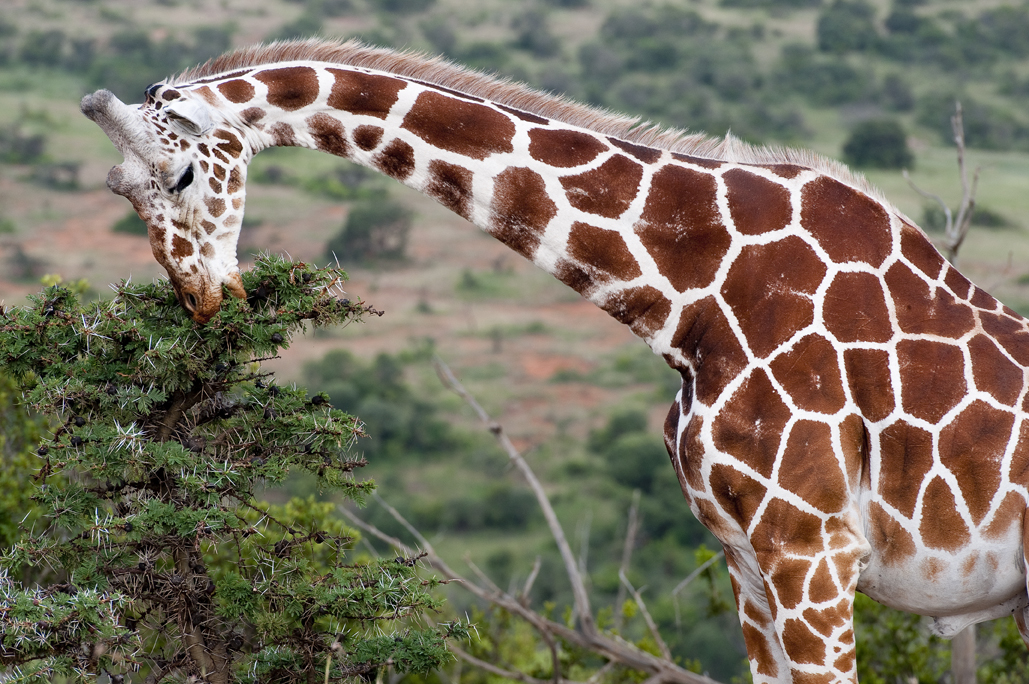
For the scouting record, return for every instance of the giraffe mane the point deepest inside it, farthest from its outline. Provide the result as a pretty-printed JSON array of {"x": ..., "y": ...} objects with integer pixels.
[{"x": 441, "y": 72}]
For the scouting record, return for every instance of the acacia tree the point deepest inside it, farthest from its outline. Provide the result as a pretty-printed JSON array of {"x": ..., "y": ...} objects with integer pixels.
[{"x": 151, "y": 558}]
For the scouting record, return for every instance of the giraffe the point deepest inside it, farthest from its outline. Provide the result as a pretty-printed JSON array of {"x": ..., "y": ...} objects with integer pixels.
[{"x": 854, "y": 412}]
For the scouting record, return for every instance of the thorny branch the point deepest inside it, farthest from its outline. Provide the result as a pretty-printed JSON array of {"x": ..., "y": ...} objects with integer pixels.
[{"x": 610, "y": 646}]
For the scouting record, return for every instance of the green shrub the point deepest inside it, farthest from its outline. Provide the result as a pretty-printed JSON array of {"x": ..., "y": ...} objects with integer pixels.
[
  {"x": 847, "y": 25},
  {"x": 878, "y": 144},
  {"x": 130, "y": 224},
  {"x": 374, "y": 231}
]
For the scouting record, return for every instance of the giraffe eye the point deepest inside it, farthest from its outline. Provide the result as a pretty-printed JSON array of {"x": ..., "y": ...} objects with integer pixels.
[{"x": 184, "y": 181}]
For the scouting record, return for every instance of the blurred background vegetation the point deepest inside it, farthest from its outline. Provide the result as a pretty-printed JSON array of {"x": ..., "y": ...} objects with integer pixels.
[{"x": 872, "y": 82}]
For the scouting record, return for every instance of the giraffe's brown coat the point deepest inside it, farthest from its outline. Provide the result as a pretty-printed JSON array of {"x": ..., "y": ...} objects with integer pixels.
[
  {"x": 230, "y": 144},
  {"x": 958, "y": 283},
  {"x": 1010, "y": 513},
  {"x": 788, "y": 579},
  {"x": 681, "y": 227},
  {"x": 825, "y": 621},
  {"x": 981, "y": 299},
  {"x": 906, "y": 456},
  {"x": 756, "y": 204},
  {"x": 252, "y": 115},
  {"x": 215, "y": 206},
  {"x": 691, "y": 453},
  {"x": 760, "y": 651},
  {"x": 854, "y": 309},
  {"x": 868, "y": 376},
  {"x": 738, "y": 495},
  {"x": 290, "y": 88},
  {"x": 892, "y": 543},
  {"x": 822, "y": 586},
  {"x": 396, "y": 160},
  {"x": 810, "y": 374},
  {"x": 697, "y": 161},
  {"x": 603, "y": 253},
  {"x": 972, "y": 447},
  {"x": 769, "y": 288},
  {"x": 994, "y": 372},
  {"x": 920, "y": 252},
  {"x": 644, "y": 309},
  {"x": 329, "y": 134},
  {"x": 237, "y": 91},
  {"x": 921, "y": 310},
  {"x": 364, "y": 94},
  {"x": 749, "y": 427},
  {"x": 848, "y": 224},
  {"x": 181, "y": 247},
  {"x": 521, "y": 209},
  {"x": 283, "y": 135},
  {"x": 809, "y": 468},
  {"x": 931, "y": 377},
  {"x": 647, "y": 155},
  {"x": 471, "y": 130},
  {"x": 784, "y": 526},
  {"x": 941, "y": 526},
  {"x": 451, "y": 186},
  {"x": 563, "y": 148},
  {"x": 606, "y": 190},
  {"x": 1010, "y": 334},
  {"x": 235, "y": 183},
  {"x": 368, "y": 137}
]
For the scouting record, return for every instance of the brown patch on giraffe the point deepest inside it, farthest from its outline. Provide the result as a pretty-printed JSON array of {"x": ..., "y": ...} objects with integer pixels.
[
  {"x": 251, "y": 115},
  {"x": 809, "y": 468},
  {"x": 368, "y": 137},
  {"x": 769, "y": 288},
  {"x": 924, "y": 310},
  {"x": 1009, "y": 333},
  {"x": 1010, "y": 513},
  {"x": 219, "y": 77},
  {"x": 184, "y": 144},
  {"x": 759, "y": 650},
  {"x": 691, "y": 453},
  {"x": 828, "y": 620},
  {"x": 803, "y": 646},
  {"x": 788, "y": 577},
  {"x": 848, "y": 224},
  {"x": 704, "y": 335},
  {"x": 845, "y": 663},
  {"x": 606, "y": 190},
  {"x": 237, "y": 202},
  {"x": 892, "y": 543},
  {"x": 451, "y": 186},
  {"x": 1019, "y": 473},
  {"x": 681, "y": 227},
  {"x": 738, "y": 495},
  {"x": 756, "y": 204},
  {"x": 237, "y": 90},
  {"x": 207, "y": 250},
  {"x": 941, "y": 526},
  {"x": 755, "y": 613},
  {"x": 644, "y": 309},
  {"x": 471, "y": 130},
  {"x": 449, "y": 91},
  {"x": 854, "y": 309},
  {"x": 810, "y": 374},
  {"x": 994, "y": 372},
  {"x": 968, "y": 567},
  {"x": 868, "y": 375},
  {"x": 205, "y": 166},
  {"x": 208, "y": 96},
  {"x": 396, "y": 160},
  {"x": 524, "y": 116},
  {"x": 181, "y": 247},
  {"x": 365, "y": 94},
  {"x": 170, "y": 94},
  {"x": 785, "y": 170},
  {"x": 521, "y": 209},
  {"x": 750, "y": 425},
  {"x": 602, "y": 253},
  {"x": 290, "y": 88},
  {"x": 697, "y": 161},
  {"x": 854, "y": 443},
  {"x": 958, "y": 284},
  {"x": 711, "y": 517},
  {"x": 647, "y": 155},
  {"x": 972, "y": 447},
  {"x": 234, "y": 184},
  {"x": 574, "y": 276},
  {"x": 907, "y": 455},
  {"x": 822, "y": 587},
  {"x": 917, "y": 249},
  {"x": 329, "y": 134},
  {"x": 670, "y": 429},
  {"x": 932, "y": 378},
  {"x": 208, "y": 227},
  {"x": 215, "y": 205},
  {"x": 216, "y": 187},
  {"x": 283, "y": 135},
  {"x": 982, "y": 299},
  {"x": 931, "y": 569},
  {"x": 202, "y": 147},
  {"x": 219, "y": 172},
  {"x": 230, "y": 144},
  {"x": 564, "y": 148}
]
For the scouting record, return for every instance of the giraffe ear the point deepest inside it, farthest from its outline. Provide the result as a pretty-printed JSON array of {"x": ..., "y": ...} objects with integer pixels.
[{"x": 190, "y": 116}]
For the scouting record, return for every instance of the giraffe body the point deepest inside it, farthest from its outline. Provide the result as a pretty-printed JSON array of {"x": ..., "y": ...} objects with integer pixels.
[{"x": 854, "y": 413}]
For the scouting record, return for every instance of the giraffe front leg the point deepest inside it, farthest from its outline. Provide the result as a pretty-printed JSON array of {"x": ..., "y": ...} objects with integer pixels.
[{"x": 768, "y": 662}]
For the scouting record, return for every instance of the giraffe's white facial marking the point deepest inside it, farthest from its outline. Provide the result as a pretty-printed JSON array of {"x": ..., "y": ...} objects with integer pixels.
[{"x": 185, "y": 173}]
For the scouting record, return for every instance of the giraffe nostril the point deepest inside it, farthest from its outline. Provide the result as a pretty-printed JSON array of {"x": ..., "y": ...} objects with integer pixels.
[{"x": 191, "y": 301}]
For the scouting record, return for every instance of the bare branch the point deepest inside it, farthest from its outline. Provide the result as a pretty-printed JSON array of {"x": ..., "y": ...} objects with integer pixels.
[
  {"x": 630, "y": 543},
  {"x": 929, "y": 195},
  {"x": 689, "y": 578},
  {"x": 508, "y": 674},
  {"x": 524, "y": 598},
  {"x": 581, "y": 598},
  {"x": 651, "y": 625}
]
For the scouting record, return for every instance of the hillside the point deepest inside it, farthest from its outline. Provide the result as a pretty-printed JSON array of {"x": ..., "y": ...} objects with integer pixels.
[{"x": 553, "y": 368}]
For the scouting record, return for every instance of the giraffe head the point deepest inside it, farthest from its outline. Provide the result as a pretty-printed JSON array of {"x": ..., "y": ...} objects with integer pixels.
[{"x": 184, "y": 172}]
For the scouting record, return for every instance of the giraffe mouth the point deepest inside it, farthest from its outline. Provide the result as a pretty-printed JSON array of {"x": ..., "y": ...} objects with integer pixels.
[{"x": 203, "y": 305}]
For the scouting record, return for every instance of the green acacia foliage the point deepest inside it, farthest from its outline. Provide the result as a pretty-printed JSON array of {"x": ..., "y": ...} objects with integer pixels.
[{"x": 161, "y": 561}]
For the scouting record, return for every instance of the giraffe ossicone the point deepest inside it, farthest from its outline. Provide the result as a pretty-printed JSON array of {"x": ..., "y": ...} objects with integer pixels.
[{"x": 854, "y": 414}]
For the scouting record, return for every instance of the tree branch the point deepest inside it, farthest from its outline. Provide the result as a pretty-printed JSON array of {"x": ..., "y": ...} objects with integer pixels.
[{"x": 630, "y": 543}]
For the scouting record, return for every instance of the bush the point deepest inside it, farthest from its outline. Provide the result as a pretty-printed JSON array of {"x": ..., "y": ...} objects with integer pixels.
[
  {"x": 374, "y": 231},
  {"x": 19, "y": 147},
  {"x": 878, "y": 144},
  {"x": 823, "y": 81},
  {"x": 130, "y": 224},
  {"x": 846, "y": 25}
]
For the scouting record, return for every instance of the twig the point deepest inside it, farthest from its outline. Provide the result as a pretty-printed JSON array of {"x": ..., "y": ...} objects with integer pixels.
[
  {"x": 524, "y": 598},
  {"x": 689, "y": 578},
  {"x": 630, "y": 544},
  {"x": 501, "y": 672},
  {"x": 581, "y": 598},
  {"x": 651, "y": 625}
]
